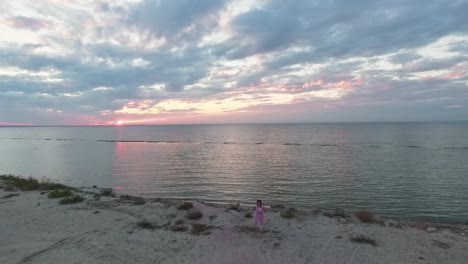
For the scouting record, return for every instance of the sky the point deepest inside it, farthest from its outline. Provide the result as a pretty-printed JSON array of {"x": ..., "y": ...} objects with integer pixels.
[{"x": 124, "y": 62}]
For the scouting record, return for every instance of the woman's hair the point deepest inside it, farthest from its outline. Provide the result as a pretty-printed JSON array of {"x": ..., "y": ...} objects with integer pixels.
[{"x": 259, "y": 202}]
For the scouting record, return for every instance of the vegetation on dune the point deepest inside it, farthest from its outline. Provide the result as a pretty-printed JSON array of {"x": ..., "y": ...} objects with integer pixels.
[
  {"x": 365, "y": 216},
  {"x": 185, "y": 206},
  {"x": 145, "y": 224},
  {"x": 235, "y": 207},
  {"x": 194, "y": 214},
  {"x": 364, "y": 239},
  {"x": 107, "y": 192},
  {"x": 198, "y": 229},
  {"x": 30, "y": 184},
  {"x": 72, "y": 199},
  {"x": 59, "y": 193},
  {"x": 134, "y": 199},
  {"x": 179, "y": 228},
  {"x": 289, "y": 213}
]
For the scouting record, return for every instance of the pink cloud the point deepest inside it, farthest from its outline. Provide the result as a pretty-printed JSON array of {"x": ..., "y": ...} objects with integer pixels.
[
  {"x": 26, "y": 23},
  {"x": 452, "y": 75}
]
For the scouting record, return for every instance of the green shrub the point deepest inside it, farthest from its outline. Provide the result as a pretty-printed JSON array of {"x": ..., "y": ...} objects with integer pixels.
[
  {"x": 289, "y": 213},
  {"x": 72, "y": 199},
  {"x": 248, "y": 215},
  {"x": 138, "y": 201},
  {"x": 59, "y": 193}
]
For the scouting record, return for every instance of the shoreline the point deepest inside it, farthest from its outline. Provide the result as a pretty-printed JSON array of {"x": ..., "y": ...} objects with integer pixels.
[
  {"x": 127, "y": 229},
  {"x": 225, "y": 203}
]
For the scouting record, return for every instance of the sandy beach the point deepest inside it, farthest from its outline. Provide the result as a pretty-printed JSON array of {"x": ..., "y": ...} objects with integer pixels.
[{"x": 38, "y": 229}]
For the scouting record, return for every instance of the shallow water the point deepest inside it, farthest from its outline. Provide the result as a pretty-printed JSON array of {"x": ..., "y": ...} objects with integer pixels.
[{"x": 408, "y": 170}]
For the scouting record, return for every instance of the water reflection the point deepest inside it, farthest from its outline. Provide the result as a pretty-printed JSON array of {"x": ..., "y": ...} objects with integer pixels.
[{"x": 306, "y": 165}]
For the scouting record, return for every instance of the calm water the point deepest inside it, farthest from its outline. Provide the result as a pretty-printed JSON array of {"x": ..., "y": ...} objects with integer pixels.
[{"x": 409, "y": 170}]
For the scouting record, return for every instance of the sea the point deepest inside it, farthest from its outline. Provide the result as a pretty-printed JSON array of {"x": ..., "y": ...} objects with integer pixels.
[{"x": 415, "y": 171}]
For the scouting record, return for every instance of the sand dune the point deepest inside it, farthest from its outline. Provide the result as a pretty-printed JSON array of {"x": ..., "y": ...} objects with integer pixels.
[{"x": 36, "y": 229}]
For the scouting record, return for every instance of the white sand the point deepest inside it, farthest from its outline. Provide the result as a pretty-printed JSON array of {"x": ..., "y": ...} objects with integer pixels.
[{"x": 35, "y": 229}]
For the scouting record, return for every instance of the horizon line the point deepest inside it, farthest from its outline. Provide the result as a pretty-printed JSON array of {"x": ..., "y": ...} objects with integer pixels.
[{"x": 237, "y": 123}]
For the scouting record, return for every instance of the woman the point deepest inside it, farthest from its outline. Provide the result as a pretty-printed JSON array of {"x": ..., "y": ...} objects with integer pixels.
[{"x": 259, "y": 215}]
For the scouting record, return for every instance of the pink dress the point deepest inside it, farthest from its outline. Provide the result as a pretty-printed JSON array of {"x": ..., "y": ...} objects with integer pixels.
[{"x": 259, "y": 215}]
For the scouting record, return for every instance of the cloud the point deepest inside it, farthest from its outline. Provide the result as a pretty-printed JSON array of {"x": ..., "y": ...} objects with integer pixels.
[
  {"x": 175, "y": 19},
  {"x": 22, "y": 22},
  {"x": 167, "y": 61}
]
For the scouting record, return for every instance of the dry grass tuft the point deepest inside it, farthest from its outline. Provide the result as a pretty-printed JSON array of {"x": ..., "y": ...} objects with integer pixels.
[
  {"x": 235, "y": 207},
  {"x": 185, "y": 206},
  {"x": 365, "y": 216},
  {"x": 364, "y": 239},
  {"x": 289, "y": 213},
  {"x": 145, "y": 224},
  {"x": 109, "y": 192},
  {"x": 328, "y": 214},
  {"x": 194, "y": 214},
  {"x": 136, "y": 200},
  {"x": 198, "y": 229},
  {"x": 179, "y": 228}
]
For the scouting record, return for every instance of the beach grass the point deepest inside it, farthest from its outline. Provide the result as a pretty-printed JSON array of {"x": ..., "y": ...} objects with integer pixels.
[{"x": 31, "y": 184}]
